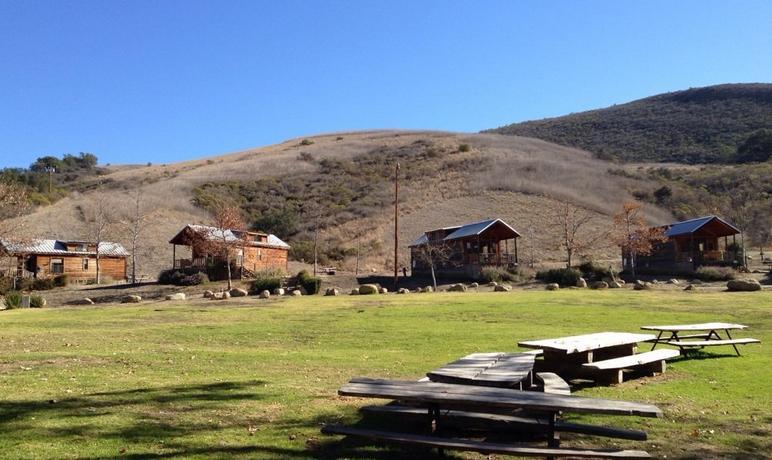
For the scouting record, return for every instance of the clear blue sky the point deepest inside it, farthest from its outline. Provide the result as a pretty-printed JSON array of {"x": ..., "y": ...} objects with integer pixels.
[{"x": 161, "y": 81}]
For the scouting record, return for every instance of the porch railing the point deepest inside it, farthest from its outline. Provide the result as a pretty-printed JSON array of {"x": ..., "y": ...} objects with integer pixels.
[{"x": 502, "y": 259}]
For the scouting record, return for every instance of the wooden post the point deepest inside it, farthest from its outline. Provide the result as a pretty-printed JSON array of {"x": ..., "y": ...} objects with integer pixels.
[
  {"x": 396, "y": 225},
  {"x": 174, "y": 256}
]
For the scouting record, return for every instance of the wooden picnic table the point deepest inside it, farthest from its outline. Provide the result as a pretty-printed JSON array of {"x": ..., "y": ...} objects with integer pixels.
[
  {"x": 442, "y": 398},
  {"x": 572, "y": 351},
  {"x": 698, "y": 331},
  {"x": 504, "y": 370}
]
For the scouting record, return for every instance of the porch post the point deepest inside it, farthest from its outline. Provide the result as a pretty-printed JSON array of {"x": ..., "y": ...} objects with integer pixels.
[
  {"x": 174, "y": 256},
  {"x": 691, "y": 251},
  {"x": 742, "y": 251},
  {"x": 515, "y": 240}
]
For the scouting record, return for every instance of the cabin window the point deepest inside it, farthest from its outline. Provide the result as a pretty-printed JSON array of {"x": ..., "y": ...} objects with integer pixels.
[
  {"x": 85, "y": 264},
  {"x": 57, "y": 266},
  {"x": 81, "y": 248}
]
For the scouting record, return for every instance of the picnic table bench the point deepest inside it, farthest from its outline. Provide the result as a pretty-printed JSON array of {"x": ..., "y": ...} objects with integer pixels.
[
  {"x": 706, "y": 334},
  {"x": 607, "y": 354},
  {"x": 439, "y": 399}
]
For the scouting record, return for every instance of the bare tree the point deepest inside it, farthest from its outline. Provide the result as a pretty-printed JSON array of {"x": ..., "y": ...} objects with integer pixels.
[
  {"x": 571, "y": 221},
  {"x": 434, "y": 254},
  {"x": 134, "y": 222},
  {"x": 99, "y": 220},
  {"x": 223, "y": 240},
  {"x": 632, "y": 235}
]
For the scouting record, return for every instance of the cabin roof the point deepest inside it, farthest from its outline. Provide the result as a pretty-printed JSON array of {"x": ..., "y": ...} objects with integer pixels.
[
  {"x": 59, "y": 247},
  {"x": 476, "y": 228},
  {"x": 688, "y": 227},
  {"x": 230, "y": 235},
  {"x": 466, "y": 230}
]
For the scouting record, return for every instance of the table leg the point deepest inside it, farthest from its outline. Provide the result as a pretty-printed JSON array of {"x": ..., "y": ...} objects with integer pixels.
[
  {"x": 434, "y": 424},
  {"x": 656, "y": 341},
  {"x": 553, "y": 436},
  {"x": 733, "y": 345}
]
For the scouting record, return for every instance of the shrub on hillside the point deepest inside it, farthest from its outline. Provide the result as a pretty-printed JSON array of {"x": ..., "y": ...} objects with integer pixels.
[
  {"x": 715, "y": 274},
  {"x": 562, "y": 276},
  {"x": 591, "y": 270},
  {"x": 43, "y": 284},
  {"x": 36, "y": 301},
  {"x": 309, "y": 283},
  {"x": 464, "y": 148},
  {"x": 267, "y": 283}
]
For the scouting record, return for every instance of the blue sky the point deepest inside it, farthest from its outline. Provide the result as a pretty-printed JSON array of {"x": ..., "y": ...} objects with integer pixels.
[{"x": 138, "y": 81}]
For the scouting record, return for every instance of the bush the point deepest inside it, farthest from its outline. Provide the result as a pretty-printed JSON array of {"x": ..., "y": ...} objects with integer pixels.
[
  {"x": 36, "y": 301},
  {"x": 306, "y": 142},
  {"x": 184, "y": 277},
  {"x": 61, "y": 281},
  {"x": 43, "y": 284},
  {"x": 309, "y": 283},
  {"x": 13, "y": 299},
  {"x": 265, "y": 284},
  {"x": 562, "y": 276},
  {"x": 715, "y": 274},
  {"x": 6, "y": 284},
  {"x": 591, "y": 270},
  {"x": 463, "y": 148}
]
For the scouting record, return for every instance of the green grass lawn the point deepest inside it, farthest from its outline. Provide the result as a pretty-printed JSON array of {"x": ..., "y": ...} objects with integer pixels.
[{"x": 257, "y": 380}]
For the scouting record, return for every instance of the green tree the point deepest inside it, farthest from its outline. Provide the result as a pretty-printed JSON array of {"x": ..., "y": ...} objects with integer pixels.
[{"x": 756, "y": 149}]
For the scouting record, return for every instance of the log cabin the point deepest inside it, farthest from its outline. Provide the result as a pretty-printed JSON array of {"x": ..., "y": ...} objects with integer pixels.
[
  {"x": 693, "y": 243},
  {"x": 254, "y": 251},
  {"x": 75, "y": 259},
  {"x": 464, "y": 250}
]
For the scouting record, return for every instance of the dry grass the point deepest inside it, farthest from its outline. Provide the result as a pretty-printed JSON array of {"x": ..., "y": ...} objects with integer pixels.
[{"x": 515, "y": 178}]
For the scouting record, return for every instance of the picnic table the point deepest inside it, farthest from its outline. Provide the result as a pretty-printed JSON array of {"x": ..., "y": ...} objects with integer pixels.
[
  {"x": 607, "y": 353},
  {"x": 504, "y": 370},
  {"x": 439, "y": 398},
  {"x": 698, "y": 331}
]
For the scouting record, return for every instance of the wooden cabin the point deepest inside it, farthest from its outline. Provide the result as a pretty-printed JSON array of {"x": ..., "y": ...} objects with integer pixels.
[
  {"x": 254, "y": 251},
  {"x": 76, "y": 259},
  {"x": 464, "y": 250},
  {"x": 704, "y": 241}
]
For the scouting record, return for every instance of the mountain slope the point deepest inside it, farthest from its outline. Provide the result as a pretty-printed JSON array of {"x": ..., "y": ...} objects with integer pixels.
[
  {"x": 343, "y": 183},
  {"x": 699, "y": 125}
]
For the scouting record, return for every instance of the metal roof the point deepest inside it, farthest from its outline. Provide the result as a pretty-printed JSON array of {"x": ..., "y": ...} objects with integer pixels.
[
  {"x": 475, "y": 229},
  {"x": 233, "y": 235},
  {"x": 58, "y": 247},
  {"x": 687, "y": 227},
  {"x": 423, "y": 239}
]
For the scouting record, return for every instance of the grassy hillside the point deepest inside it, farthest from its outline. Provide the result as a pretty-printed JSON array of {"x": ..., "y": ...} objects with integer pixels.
[
  {"x": 699, "y": 125},
  {"x": 344, "y": 182}
]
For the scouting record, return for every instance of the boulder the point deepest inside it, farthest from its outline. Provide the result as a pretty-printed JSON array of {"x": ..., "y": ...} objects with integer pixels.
[
  {"x": 368, "y": 289},
  {"x": 208, "y": 294},
  {"x": 428, "y": 289},
  {"x": 474, "y": 286},
  {"x": 747, "y": 284},
  {"x": 354, "y": 291},
  {"x": 641, "y": 285},
  {"x": 689, "y": 288},
  {"x": 493, "y": 284},
  {"x": 332, "y": 291},
  {"x": 296, "y": 293},
  {"x": 225, "y": 295},
  {"x": 176, "y": 296},
  {"x": 278, "y": 291},
  {"x": 265, "y": 294},
  {"x": 655, "y": 281},
  {"x": 581, "y": 283},
  {"x": 673, "y": 281},
  {"x": 236, "y": 292},
  {"x": 43, "y": 302},
  {"x": 599, "y": 285},
  {"x": 457, "y": 288},
  {"x": 383, "y": 290},
  {"x": 85, "y": 301},
  {"x": 552, "y": 287},
  {"x": 131, "y": 299},
  {"x": 403, "y": 291},
  {"x": 614, "y": 285},
  {"x": 502, "y": 288}
]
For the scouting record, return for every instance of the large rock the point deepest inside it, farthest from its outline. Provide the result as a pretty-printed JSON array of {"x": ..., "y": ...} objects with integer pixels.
[
  {"x": 354, "y": 291},
  {"x": 383, "y": 290},
  {"x": 403, "y": 291},
  {"x": 457, "y": 288},
  {"x": 689, "y": 288},
  {"x": 502, "y": 288},
  {"x": 427, "y": 289},
  {"x": 236, "y": 292},
  {"x": 296, "y": 293},
  {"x": 641, "y": 285},
  {"x": 673, "y": 281},
  {"x": 84, "y": 301},
  {"x": 614, "y": 285},
  {"x": 278, "y": 291},
  {"x": 474, "y": 286},
  {"x": 332, "y": 291},
  {"x": 131, "y": 299},
  {"x": 208, "y": 294},
  {"x": 265, "y": 294},
  {"x": 368, "y": 289},
  {"x": 581, "y": 283},
  {"x": 493, "y": 284},
  {"x": 552, "y": 287},
  {"x": 176, "y": 296},
  {"x": 747, "y": 284},
  {"x": 599, "y": 285}
]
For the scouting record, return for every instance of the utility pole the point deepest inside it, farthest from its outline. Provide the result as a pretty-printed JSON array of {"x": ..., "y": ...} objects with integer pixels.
[
  {"x": 396, "y": 226},
  {"x": 50, "y": 170}
]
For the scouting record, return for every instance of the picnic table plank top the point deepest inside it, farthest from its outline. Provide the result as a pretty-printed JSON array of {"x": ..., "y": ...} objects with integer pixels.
[
  {"x": 503, "y": 369},
  {"x": 587, "y": 342},
  {"x": 488, "y": 397},
  {"x": 694, "y": 327}
]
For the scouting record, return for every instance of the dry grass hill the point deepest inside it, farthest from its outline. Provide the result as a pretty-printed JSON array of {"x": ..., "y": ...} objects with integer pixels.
[{"x": 346, "y": 177}]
